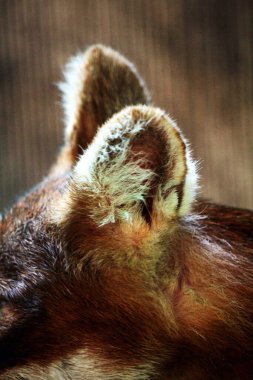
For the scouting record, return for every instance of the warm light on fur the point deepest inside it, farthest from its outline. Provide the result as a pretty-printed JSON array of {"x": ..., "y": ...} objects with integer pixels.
[
  {"x": 115, "y": 184},
  {"x": 112, "y": 267}
]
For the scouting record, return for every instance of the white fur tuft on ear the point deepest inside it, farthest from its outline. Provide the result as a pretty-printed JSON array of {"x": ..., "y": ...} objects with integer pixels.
[
  {"x": 71, "y": 89},
  {"x": 191, "y": 183},
  {"x": 117, "y": 192}
]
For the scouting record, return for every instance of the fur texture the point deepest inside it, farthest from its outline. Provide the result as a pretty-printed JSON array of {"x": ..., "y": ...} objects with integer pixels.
[
  {"x": 98, "y": 83},
  {"x": 112, "y": 268}
]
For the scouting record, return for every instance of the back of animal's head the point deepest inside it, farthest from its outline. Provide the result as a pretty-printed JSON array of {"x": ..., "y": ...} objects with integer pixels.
[
  {"x": 93, "y": 277},
  {"x": 85, "y": 256}
]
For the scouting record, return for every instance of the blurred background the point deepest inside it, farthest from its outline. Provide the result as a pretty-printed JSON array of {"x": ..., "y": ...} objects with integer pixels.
[{"x": 195, "y": 56}]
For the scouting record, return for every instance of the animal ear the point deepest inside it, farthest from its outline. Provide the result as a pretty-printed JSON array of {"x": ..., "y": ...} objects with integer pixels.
[
  {"x": 98, "y": 83},
  {"x": 137, "y": 169}
]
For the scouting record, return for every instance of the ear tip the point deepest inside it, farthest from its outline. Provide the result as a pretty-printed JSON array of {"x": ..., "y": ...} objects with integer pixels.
[
  {"x": 98, "y": 48},
  {"x": 100, "y": 53},
  {"x": 106, "y": 55}
]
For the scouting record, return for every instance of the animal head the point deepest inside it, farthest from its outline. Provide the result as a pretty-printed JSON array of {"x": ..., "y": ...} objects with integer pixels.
[{"x": 110, "y": 268}]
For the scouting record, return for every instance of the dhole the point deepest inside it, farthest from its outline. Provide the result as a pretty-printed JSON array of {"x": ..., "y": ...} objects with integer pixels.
[{"x": 112, "y": 268}]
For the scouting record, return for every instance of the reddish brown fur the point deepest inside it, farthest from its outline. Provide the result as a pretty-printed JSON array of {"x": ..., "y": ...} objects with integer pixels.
[{"x": 188, "y": 314}]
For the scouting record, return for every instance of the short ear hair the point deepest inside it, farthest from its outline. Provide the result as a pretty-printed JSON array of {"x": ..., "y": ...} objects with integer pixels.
[
  {"x": 98, "y": 83},
  {"x": 138, "y": 169}
]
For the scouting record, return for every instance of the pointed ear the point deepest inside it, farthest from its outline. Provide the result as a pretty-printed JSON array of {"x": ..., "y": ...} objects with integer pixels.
[
  {"x": 137, "y": 170},
  {"x": 98, "y": 83}
]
